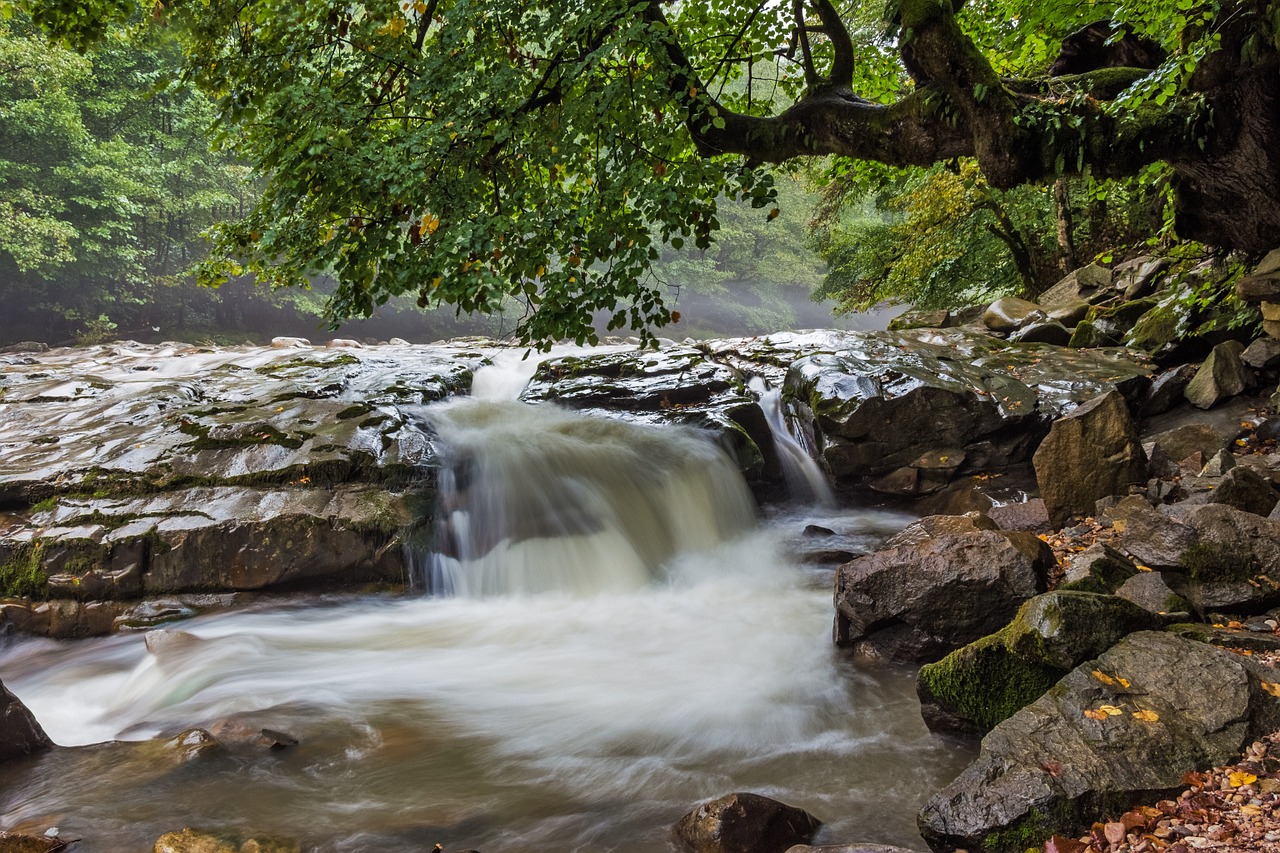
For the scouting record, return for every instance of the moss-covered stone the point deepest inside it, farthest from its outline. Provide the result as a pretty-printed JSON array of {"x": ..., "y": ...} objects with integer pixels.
[
  {"x": 21, "y": 573},
  {"x": 975, "y": 688}
]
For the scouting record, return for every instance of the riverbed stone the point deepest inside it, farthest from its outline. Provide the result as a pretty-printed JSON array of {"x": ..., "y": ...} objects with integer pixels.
[
  {"x": 1262, "y": 354},
  {"x": 744, "y": 823},
  {"x": 974, "y": 688},
  {"x": 1098, "y": 568},
  {"x": 20, "y": 734},
  {"x": 1057, "y": 764},
  {"x": 1010, "y": 313},
  {"x": 1220, "y": 376},
  {"x": 1089, "y": 454},
  {"x": 1088, "y": 284},
  {"x": 919, "y": 601},
  {"x": 1247, "y": 490},
  {"x": 190, "y": 840}
]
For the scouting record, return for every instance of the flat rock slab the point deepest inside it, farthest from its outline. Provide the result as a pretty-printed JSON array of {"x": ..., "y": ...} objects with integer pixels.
[
  {"x": 1115, "y": 731},
  {"x": 888, "y": 398}
]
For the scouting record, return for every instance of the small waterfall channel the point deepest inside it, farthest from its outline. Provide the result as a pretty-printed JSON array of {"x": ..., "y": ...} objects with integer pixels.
[{"x": 613, "y": 637}]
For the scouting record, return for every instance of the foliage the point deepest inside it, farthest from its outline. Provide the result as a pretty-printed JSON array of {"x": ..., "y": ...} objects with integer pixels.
[{"x": 468, "y": 153}]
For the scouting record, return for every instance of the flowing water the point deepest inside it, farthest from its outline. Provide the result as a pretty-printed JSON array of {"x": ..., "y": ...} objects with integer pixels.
[{"x": 611, "y": 637}]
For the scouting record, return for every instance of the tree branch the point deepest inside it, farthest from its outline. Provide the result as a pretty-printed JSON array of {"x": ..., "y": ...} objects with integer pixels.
[{"x": 841, "y": 43}]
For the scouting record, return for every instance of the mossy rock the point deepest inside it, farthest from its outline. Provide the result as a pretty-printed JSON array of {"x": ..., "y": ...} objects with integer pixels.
[
  {"x": 1100, "y": 569},
  {"x": 1090, "y": 335},
  {"x": 979, "y": 686},
  {"x": 21, "y": 570}
]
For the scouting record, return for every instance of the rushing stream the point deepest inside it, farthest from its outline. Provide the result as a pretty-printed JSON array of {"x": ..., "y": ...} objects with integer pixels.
[{"x": 612, "y": 637}]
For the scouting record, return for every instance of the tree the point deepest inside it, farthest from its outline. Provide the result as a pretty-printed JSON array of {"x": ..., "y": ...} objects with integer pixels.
[{"x": 466, "y": 150}]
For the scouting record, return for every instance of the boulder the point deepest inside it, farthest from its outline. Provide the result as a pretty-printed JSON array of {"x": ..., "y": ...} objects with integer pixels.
[
  {"x": 1089, "y": 454},
  {"x": 1098, "y": 568},
  {"x": 893, "y": 399},
  {"x": 20, "y": 734},
  {"x": 1151, "y": 592},
  {"x": 1168, "y": 390},
  {"x": 1262, "y": 354},
  {"x": 916, "y": 318},
  {"x": 1247, "y": 490},
  {"x": 1136, "y": 278},
  {"x": 1043, "y": 332},
  {"x": 744, "y": 823},
  {"x": 975, "y": 688},
  {"x": 920, "y": 600},
  {"x": 1118, "y": 730},
  {"x": 1024, "y": 515},
  {"x": 1087, "y": 284},
  {"x": 1220, "y": 376},
  {"x": 1180, "y": 442},
  {"x": 1217, "y": 557},
  {"x": 1010, "y": 314}
]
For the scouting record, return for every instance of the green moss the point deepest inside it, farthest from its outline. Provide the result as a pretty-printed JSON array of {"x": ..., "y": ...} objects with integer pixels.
[
  {"x": 986, "y": 682},
  {"x": 1207, "y": 561},
  {"x": 45, "y": 439},
  {"x": 302, "y": 363},
  {"x": 21, "y": 575},
  {"x": 356, "y": 411},
  {"x": 45, "y": 505}
]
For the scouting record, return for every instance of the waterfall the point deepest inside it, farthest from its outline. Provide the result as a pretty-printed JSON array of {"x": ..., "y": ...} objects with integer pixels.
[{"x": 804, "y": 479}]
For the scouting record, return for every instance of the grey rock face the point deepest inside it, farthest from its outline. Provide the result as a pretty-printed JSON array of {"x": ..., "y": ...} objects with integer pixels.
[
  {"x": 1219, "y": 377},
  {"x": 921, "y": 600},
  {"x": 1061, "y": 761},
  {"x": 1091, "y": 453},
  {"x": 20, "y": 734}
]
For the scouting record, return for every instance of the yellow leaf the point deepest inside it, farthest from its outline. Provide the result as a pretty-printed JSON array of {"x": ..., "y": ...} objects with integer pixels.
[
  {"x": 394, "y": 27},
  {"x": 1272, "y": 688},
  {"x": 419, "y": 7},
  {"x": 1096, "y": 715},
  {"x": 1240, "y": 442},
  {"x": 1141, "y": 567},
  {"x": 1111, "y": 710},
  {"x": 1239, "y": 778},
  {"x": 1124, "y": 682},
  {"x": 1103, "y": 677},
  {"x": 1251, "y": 811},
  {"x": 1146, "y": 716},
  {"x": 1118, "y": 525}
]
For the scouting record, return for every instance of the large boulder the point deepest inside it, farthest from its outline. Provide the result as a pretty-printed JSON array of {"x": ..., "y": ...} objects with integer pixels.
[
  {"x": 1115, "y": 731},
  {"x": 920, "y": 600},
  {"x": 744, "y": 823},
  {"x": 1010, "y": 314},
  {"x": 1091, "y": 453},
  {"x": 1247, "y": 490},
  {"x": 1216, "y": 556},
  {"x": 1221, "y": 376},
  {"x": 888, "y": 401},
  {"x": 20, "y": 734},
  {"x": 979, "y": 686}
]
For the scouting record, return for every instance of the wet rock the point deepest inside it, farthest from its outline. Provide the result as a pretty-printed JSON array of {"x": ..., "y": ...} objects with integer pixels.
[
  {"x": 60, "y": 619},
  {"x": 1057, "y": 764},
  {"x": 195, "y": 745},
  {"x": 975, "y": 688},
  {"x": 744, "y": 823},
  {"x": 1245, "y": 490},
  {"x": 284, "y": 342},
  {"x": 1181, "y": 442},
  {"x": 1136, "y": 278},
  {"x": 879, "y": 406},
  {"x": 1218, "y": 464},
  {"x": 1168, "y": 390},
  {"x": 920, "y": 600},
  {"x": 919, "y": 319},
  {"x": 1099, "y": 568},
  {"x": 1028, "y": 515},
  {"x": 1091, "y": 453},
  {"x": 20, "y": 734},
  {"x": 12, "y": 842},
  {"x": 1045, "y": 332},
  {"x": 932, "y": 526},
  {"x": 1070, "y": 314},
  {"x": 1218, "y": 557},
  {"x": 1087, "y": 284},
  {"x": 1262, "y": 354},
  {"x": 25, "y": 346},
  {"x": 1152, "y": 593},
  {"x": 1010, "y": 314},
  {"x": 1219, "y": 377}
]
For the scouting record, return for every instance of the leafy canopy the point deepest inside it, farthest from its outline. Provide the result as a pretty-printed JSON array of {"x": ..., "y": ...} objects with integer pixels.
[{"x": 465, "y": 151}]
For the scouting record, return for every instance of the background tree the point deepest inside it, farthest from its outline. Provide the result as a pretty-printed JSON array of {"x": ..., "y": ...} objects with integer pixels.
[{"x": 467, "y": 152}]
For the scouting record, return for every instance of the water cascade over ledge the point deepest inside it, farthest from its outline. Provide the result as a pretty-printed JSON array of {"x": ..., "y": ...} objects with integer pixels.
[{"x": 620, "y": 640}]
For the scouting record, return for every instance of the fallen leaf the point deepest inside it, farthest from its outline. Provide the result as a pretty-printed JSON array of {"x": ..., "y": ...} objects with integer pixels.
[
  {"x": 1272, "y": 688},
  {"x": 1234, "y": 624},
  {"x": 1103, "y": 677},
  {"x": 1118, "y": 525},
  {"x": 1096, "y": 715},
  {"x": 1141, "y": 567},
  {"x": 1111, "y": 710},
  {"x": 1058, "y": 844},
  {"x": 1239, "y": 778},
  {"x": 1146, "y": 716},
  {"x": 1124, "y": 682},
  {"x": 1115, "y": 832}
]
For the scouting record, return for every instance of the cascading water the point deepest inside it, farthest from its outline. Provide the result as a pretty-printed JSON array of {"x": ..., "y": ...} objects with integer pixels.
[
  {"x": 804, "y": 479},
  {"x": 622, "y": 642}
]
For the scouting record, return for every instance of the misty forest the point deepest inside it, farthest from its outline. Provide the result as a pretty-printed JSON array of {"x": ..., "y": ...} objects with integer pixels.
[{"x": 751, "y": 426}]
